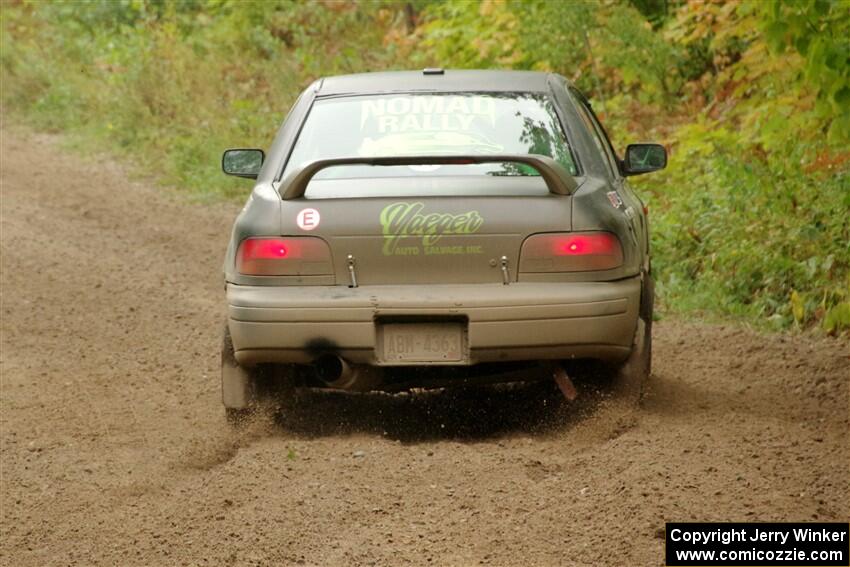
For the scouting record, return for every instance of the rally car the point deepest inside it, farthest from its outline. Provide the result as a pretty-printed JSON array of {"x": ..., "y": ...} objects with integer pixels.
[{"x": 448, "y": 220}]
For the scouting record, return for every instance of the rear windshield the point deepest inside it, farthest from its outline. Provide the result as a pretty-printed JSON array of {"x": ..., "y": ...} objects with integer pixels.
[{"x": 431, "y": 124}]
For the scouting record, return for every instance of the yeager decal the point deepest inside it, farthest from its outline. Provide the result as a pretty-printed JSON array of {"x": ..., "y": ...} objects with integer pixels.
[{"x": 400, "y": 220}]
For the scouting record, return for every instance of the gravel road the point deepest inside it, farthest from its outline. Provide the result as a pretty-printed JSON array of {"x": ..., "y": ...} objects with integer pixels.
[{"x": 115, "y": 449}]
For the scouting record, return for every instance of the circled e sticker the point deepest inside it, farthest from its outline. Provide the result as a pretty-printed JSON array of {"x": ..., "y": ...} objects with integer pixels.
[{"x": 308, "y": 219}]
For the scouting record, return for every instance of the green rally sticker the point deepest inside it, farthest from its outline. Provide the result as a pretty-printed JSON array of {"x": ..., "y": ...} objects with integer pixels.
[{"x": 402, "y": 219}]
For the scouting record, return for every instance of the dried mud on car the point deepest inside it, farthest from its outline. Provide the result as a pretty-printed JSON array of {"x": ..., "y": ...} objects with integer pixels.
[{"x": 114, "y": 450}]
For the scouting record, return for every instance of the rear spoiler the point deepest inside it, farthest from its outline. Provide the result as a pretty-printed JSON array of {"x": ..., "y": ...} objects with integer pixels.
[{"x": 558, "y": 180}]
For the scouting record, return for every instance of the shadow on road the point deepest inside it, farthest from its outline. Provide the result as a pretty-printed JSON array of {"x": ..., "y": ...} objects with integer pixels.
[{"x": 468, "y": 413}]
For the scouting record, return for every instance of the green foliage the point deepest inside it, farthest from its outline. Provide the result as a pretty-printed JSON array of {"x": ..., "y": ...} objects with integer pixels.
[
  {"x": 577, "y": 39},
  {"x": 838, "y": 317},
  {"x": 752, "y": 99},
  {"x": 819, "y": 30},
  {"x": 471, "y": 35},
  {"x": 173, "y": 84},
  {"x": 728, "y": 241}
]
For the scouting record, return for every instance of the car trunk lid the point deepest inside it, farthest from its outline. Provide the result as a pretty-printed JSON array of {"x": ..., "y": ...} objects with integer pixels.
[{"x": 426, "y": 240}]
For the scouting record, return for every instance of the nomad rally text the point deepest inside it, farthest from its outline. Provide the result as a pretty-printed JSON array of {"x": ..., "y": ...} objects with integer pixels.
[{"x": 755, "y": 533}]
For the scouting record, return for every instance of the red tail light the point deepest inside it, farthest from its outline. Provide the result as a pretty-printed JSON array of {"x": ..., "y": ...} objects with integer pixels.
[
  {"x": 599, "y": 244},
  {"x": 287, "y": 256},
  {"x": 570, "y": 252}
]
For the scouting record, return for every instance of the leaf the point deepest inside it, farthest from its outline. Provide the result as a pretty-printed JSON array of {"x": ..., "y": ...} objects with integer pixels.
[
  {"x": 821, "y": 7},
  {"x": 837, "y": 318},
  {"x": 775, "y": 35},
  {"x": 842, "y": 97},
  {"x": 798, "y": 308},
  {"x": 839, "y": 130},
  {"x": 801, "y": 44}
]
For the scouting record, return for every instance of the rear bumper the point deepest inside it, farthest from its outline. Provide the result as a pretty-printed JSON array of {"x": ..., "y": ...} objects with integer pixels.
[{"x": 521, "y": 321}]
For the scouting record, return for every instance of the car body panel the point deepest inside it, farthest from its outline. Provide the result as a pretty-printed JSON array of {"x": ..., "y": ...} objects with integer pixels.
[
  {"x": 375, "y": 232},
  {"x": 449, "y": 81},
  {"x": 516, "y": 322}
]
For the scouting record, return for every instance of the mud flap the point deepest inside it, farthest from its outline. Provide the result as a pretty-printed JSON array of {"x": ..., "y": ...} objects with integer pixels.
[
  {"x": 647, "y": 297},
  {"x": 237, "y": 387},
  {"x": 634, "y": 371}
]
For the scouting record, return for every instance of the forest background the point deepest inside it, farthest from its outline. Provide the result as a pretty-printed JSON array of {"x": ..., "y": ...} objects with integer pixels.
[{"x": 751, "y": 219}]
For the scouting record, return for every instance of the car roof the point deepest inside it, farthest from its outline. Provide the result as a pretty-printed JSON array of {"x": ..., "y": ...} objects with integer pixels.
[{"x": 434, "y": 81}]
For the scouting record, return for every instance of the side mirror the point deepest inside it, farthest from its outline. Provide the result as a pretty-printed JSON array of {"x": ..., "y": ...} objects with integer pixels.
[
  {"x": 242, "y": 162},
  {"x": 644, "y": 158}
]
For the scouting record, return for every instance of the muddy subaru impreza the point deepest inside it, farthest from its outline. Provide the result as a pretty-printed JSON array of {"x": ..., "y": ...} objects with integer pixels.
[{"x": 466, "y": 223}]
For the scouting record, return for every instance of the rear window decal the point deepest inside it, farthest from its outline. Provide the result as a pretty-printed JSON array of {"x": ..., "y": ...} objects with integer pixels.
[
  {"x": 441, "y": 113},
  {"x": 430, "y": 124}
]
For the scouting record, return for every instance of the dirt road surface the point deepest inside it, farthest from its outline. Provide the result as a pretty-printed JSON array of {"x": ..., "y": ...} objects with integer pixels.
[{"x": 115, "y": 450}]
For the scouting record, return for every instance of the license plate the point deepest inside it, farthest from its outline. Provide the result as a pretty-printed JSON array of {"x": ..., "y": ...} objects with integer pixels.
[{"x": 422, "y": 342}]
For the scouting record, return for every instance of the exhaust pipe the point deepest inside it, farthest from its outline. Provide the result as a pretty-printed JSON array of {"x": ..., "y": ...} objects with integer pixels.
[
  {"x": 563, "y": 381},
  {"x": 337, "y": 373}
]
